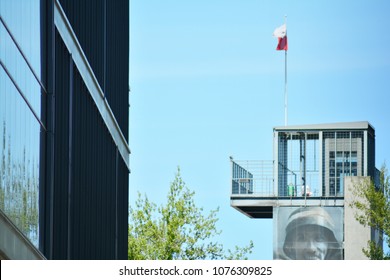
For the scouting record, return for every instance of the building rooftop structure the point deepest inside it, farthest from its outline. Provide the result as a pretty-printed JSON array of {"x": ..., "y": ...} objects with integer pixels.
[
  {"x": 308, "y": 167},
  {"x": 313, "y": 172},
  {"x": 328, "y": 126}
]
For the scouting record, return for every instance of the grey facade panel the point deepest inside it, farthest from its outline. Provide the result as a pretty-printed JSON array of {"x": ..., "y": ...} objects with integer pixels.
[{"x": 13, "y": 243}]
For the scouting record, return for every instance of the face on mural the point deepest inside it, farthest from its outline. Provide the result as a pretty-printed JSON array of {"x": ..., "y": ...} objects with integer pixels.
[
  {"x": 311, "y": 243},
  {"x": 309, "y": 234}
]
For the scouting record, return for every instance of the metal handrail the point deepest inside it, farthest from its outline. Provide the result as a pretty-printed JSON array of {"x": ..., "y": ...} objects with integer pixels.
[
  {"x": 257, "y": 178},
  {"x": 252, "y": 177}
]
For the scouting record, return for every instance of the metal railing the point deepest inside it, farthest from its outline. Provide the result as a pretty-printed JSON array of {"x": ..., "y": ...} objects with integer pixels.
[
  {"x": 257, "y": 178},
  {"x": 253, "y": 177}
]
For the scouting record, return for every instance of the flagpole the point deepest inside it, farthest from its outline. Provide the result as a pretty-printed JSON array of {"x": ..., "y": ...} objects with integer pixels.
[
  {"x": 285, "y": 80},
  {"x": 285, "y": 88}
]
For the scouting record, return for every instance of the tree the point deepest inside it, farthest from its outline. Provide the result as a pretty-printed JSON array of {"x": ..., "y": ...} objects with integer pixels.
[
  {"x": 178, "y": 230},
  {"x": 373, "y": 209}
]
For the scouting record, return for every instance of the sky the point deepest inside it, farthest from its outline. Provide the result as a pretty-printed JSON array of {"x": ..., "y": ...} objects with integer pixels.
[{"x": 207, "y": 83}]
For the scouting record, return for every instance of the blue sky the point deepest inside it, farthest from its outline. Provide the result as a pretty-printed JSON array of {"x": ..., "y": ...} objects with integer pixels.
[{"x": 207, "y": 83}]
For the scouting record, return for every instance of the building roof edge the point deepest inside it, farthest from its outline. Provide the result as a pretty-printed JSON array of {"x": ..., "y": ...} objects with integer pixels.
[{"x": 328, "y": 126}]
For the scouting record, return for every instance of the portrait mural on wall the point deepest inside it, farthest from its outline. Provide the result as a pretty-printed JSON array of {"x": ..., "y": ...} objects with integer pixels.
[{"x": 308, "y": 233}]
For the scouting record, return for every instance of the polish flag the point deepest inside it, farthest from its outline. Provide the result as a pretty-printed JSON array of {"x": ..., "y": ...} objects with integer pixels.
[{"x": 281, "y": 34}]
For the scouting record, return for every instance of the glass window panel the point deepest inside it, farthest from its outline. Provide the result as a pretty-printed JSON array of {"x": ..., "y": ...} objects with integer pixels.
[
  {"x": 19, "y": 130},
  {"x": 22, "y": 19}
]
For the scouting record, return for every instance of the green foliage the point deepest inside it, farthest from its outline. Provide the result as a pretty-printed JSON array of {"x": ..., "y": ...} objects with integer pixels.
[
  {"x": 373, "y": 209},
  {"x": 178, "y": 230}
]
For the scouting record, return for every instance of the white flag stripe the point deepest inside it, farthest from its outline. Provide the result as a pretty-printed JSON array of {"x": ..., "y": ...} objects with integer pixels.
[{"x": 280, "y": 32}]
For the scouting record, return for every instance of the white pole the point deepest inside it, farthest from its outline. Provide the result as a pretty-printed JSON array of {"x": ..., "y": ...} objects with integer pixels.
[
  {"x": 285, "y": 89},
  {"x": 285, "y": 80}
]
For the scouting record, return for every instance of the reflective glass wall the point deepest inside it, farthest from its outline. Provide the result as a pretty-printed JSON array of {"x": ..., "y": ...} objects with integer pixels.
[{"x": 20, "y": 111}]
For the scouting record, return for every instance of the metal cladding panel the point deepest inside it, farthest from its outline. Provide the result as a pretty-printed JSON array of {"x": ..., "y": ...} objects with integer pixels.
[
  {"x": 61, "y": 139},
  {"x": 123, "y": 209},
  {"x": 94, "y": 176},
  {"x": 102, "y": 28},
  {"x": 46, "y": 142},
  {"x": 371, "y": 155},
  {"x": 117, "y": 61},
  {"x": 87, "y": 215},
  {"x": 85, "y": 207},
  {"x": 87, "y": 20}
]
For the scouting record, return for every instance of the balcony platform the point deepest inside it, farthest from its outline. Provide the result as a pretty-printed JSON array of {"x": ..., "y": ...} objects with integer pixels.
[{"x": 262, "y": 207}]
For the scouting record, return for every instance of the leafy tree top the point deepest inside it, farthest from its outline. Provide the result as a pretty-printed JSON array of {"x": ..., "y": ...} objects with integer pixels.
[{"x": 178, "y": 230}]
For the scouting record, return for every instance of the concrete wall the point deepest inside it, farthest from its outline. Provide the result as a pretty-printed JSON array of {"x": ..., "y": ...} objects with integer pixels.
[
  {"x": 356, "y": 235},
  {"x": 13, "y": 244}
]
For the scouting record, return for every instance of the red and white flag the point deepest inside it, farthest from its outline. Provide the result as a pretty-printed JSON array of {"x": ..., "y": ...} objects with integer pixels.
[{"x": 281, "y": 34}]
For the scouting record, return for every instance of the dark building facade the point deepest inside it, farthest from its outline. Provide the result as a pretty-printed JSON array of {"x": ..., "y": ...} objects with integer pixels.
[{"x": 83, "y": 119}]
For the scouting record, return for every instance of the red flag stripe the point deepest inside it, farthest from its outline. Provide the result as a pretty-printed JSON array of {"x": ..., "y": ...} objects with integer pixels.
[{"x": 282, "y": 44}]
